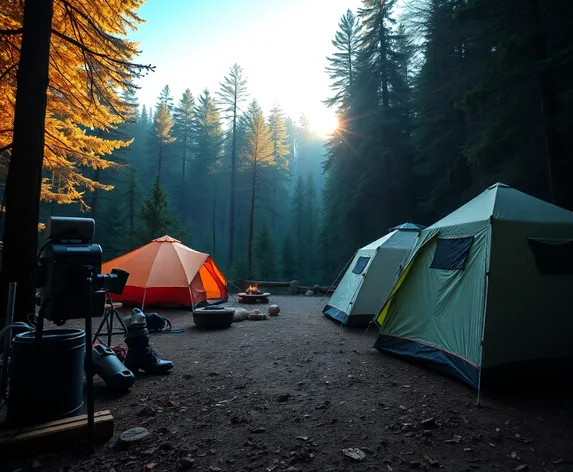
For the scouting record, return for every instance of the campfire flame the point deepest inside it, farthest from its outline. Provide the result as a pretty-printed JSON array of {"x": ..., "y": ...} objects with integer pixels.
[{"x": 252, "y": 289}]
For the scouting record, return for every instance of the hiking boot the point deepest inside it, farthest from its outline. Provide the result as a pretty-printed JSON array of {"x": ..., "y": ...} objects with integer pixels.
[{"x": 140, "y": 354}]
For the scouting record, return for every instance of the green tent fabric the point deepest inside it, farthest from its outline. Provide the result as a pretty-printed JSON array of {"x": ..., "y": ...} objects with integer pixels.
[
  {"x": 370, "y": 276},
  {"x": 488, "y": 285}
]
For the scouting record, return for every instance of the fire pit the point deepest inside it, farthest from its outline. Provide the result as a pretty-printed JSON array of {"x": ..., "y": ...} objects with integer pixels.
[{"x": 253, "y": 295}]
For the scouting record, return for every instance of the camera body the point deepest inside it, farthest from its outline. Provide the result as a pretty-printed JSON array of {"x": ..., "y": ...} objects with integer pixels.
[{"x": 69, "y": 277}]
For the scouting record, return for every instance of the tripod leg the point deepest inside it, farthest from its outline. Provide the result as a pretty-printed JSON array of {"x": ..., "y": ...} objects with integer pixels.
[
  {"x": 101, "y": 325},
  {"x": 109, "y": 333}
]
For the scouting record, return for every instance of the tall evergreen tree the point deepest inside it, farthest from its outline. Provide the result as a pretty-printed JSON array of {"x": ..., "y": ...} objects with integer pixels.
[
  {"x": 258, "y": 157},
  {"x": 232, "y": 94},
  {"x": 265, "y": 254},
  {"x": 155, "y": 215},
  {"x": 161, "y": 136},
  {"x": 183, "y": 130},
  {"x": 342, "y": 64},
  {"x": 279, "y": 137}
]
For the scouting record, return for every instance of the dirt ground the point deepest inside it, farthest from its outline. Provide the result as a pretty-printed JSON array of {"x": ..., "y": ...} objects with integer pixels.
[{"x": 292, "y": 392}]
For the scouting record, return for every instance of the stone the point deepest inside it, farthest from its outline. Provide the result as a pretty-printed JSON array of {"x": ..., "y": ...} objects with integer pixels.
[
  {"x": 293, "y": 287},
  {"x": 521, "y": 467},
  {"x": 240, "y": 314},
  {"x": 258, "y": 430},
  {"x": 274, "y": 310},
  {"x": 354, "y": 454},
  {"x": 134, "y": 436},
  {"x": 308, "y": 293},
  {"x": 147, "y": 411},
  {"x": 429, "y": 423},
  {"x": 186, "y": 463},
  {"x": 283, "y": 397}
]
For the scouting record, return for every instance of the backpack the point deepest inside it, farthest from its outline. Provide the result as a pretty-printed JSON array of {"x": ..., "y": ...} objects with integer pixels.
[{"x": 156, "y": 323}]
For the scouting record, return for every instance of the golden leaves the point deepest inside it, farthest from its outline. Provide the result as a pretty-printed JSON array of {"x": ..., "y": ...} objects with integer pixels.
[{"x": 90, "y": 67}]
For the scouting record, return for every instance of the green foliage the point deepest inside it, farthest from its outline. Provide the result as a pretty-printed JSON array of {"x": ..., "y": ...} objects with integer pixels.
[
  {"x": 113, "y": 233},
  {"x": 266, "y": 260},
  {"x": 156, "y": 217},
  {"x": 290, "y": 260}
]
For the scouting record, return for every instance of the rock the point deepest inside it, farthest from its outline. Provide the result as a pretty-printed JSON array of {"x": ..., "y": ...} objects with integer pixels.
[
  {"x": 293, "y": 287},
  {"x": 240, "y": 314},
  {"x": 256, "y": 311},
  {"x": 215, "y": 469},
  {"x": 431, "y": 462},
  {"x": 274, "y": 310},
  {"x": 186, "y": 463},
  {"x": 258, "y": 430},
  {"x": 429, "y": 423},
  {"x": 521, "y": 467},
  {"x": 316, "y": 289},
  {"x": 283, "y": 397},
  {"x": 354, "y": 454},
  {"x": 149, "y": 466},
  {"x": 36, "y": 464},
  {"x": 147, "y": 411},
  {"x": 367, "y": 450},
  {"x": 415, "y": 464},
  {"x": 134, "y": 436},
  {"x": 308, "y": 293}
]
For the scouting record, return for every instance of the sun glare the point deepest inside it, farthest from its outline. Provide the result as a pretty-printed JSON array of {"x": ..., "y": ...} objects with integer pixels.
[{"x": 325, "y": 123}]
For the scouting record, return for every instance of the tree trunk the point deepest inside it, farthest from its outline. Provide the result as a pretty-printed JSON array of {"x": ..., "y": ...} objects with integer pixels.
[
  {"x": 213, "y": 218},
  {"x": 95, "y": 195},
  {"x": 182, "y": 202},
  {"x": 233, "y": 183},
  {"x": 159, "y": 159},
  {"x": 23, "y": 185},
  {"x": 559, "y": 167},
  {"x": 252, "y": 221}
]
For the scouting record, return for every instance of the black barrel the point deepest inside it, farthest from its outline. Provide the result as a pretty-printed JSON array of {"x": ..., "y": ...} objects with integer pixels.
[{"x": 46, "y": 377}]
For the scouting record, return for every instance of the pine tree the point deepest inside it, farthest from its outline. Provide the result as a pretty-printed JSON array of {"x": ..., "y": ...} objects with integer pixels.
[
  {"x": 183, "y": 130},
  {"x": 155, "y": 215},
  {"x": 162, "y": 135},
  {"x": 205, "y": 166},
  {"x": 279, "y": 137},
  {"x": 265, "y": 253},
  {"x": 233, "y": 92},
  {"x": 311, "y": 211},
  {"x": 342, "y": 64},
  {"x": 165, "y": 98},
  {"x": 131, "y": 196},
  {"x": 258, "y": 157},
  {"x": 290, "y": 259}
]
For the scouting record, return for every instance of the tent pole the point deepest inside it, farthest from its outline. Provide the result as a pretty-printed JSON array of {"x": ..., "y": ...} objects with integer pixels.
[
  {"x": 143, "y": 302},
  {"x": 482, "y": 340}
]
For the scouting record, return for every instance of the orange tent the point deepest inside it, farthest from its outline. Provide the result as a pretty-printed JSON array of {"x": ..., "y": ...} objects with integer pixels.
[{"x": 167, "y": 272}]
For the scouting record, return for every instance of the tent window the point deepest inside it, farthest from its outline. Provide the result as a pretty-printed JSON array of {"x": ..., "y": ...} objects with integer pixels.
[
  {"x": 451, "y": 254},
  {"x": 360, "y": 265},
  {"x": 553, "y": 257}
]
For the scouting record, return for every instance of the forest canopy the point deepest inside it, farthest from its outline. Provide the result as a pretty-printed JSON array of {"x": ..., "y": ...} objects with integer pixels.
[{"x": 435, "y": 99}]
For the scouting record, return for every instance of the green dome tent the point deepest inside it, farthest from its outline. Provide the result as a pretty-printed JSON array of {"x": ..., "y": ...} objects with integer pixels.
[{"x": 490, "y": 284}]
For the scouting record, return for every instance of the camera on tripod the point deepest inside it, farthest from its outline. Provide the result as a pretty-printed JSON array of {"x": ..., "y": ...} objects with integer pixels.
[{"x": 69, "y": 277}]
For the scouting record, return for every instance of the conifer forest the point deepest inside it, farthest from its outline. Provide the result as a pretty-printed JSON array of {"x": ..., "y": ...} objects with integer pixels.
[{"x": 435, "y": 99}]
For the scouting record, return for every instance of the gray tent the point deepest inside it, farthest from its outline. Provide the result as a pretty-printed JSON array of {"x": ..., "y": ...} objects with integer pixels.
[
  {"x": 370, "y": 276},
  {"x": 488, "y": 285}
]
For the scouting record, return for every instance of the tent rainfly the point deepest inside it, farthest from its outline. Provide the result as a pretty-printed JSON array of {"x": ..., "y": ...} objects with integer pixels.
[
  {"x": 370, "y": 277},
  {"x": 165, "y": 272},
  {"x": 488, "y": 285}
]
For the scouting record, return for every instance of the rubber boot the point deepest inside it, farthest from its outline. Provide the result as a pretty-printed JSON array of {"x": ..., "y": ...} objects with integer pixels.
[{"x": 140, "y": 355}]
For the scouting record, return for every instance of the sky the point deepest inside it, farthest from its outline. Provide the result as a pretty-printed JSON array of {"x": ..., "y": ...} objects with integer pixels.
[{"x": 281, "y": 45}]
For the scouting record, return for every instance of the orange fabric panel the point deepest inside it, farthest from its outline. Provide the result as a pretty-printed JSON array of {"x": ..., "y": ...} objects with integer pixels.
[{"x": 166, "y": 271}]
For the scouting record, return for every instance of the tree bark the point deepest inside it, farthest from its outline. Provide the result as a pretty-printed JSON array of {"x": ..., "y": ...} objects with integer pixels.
[
  {"x": 214, "y": 217},
  {"x": 233, "y": 183},
  {"x": 559, "y": 165},
  {"x": 23, "y": 185},
  {"x": 252, "y": 220}
]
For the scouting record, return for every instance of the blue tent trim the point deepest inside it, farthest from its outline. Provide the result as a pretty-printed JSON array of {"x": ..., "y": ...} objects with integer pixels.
[
  {"x": 345, "y": 319},
  {"x": 335, "y": 314},
  {"x": 428, "y": 355}
]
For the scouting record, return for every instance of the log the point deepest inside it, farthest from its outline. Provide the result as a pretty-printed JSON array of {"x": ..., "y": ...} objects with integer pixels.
[
  {"x": 301, "y": 289},
  {"x": 55, "y": 435}
]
